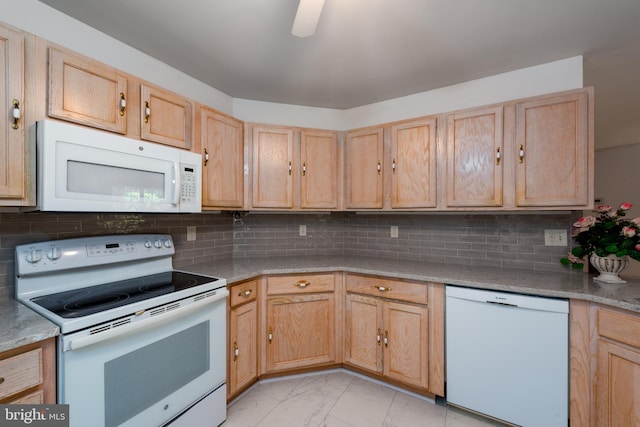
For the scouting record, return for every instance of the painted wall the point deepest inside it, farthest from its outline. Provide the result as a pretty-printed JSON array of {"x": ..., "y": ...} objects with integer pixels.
[
  {"x": 46, "y": 22},
  {"x": 616, "y": 180}
]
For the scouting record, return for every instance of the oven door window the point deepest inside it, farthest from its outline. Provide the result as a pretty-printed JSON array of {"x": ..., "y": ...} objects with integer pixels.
[{"x": 137, "y": 380}]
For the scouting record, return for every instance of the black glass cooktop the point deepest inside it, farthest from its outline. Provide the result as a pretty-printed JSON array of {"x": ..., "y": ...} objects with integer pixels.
[{"x": 94, "y": 299}]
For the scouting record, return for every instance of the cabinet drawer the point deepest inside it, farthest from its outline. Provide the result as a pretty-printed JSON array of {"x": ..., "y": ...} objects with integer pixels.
[
  {"x": 20, "y": 372},
  {"x": 306, "y": 283},
  {"x": 244, "y": 292},
  {"x": 35, "y": 398},
  {"x": 392, "y": 289},
  {"x": 620, "y": 327}
]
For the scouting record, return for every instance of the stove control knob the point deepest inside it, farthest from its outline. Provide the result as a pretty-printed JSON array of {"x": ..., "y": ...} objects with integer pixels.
[
  {"x": 166, "y": 243},
  {"x": 157, "y": 244},
  {"x": 54, "y": 254},
  {"x": 34, "y": 256},
  {"x": 147, "y": 244}
]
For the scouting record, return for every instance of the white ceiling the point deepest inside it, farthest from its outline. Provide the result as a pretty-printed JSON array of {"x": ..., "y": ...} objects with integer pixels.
[{"x": 366, "y": 51}]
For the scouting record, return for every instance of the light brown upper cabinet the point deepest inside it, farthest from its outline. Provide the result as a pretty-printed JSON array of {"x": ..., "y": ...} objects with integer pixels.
[
  {"x": 413, "y": 164},
  {"x": 222, "y": 149},
  {"x": 364, "y": 151},
  {"x": 319, "y": 169},
  {"x": 84, "y": 91},
  {"x": 12, "y": 127},
  {"x": 554, "y": 149},
  {"x": 272, "y": 167},
  {"x": 294, "y": 169},
  {"x": 474, "y": 158},
  {"x": 165, "y": 117}
]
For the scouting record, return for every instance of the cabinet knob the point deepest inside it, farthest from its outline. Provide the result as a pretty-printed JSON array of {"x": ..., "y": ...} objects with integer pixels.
[
  {"x": 16, "y": 113},
  {"x": 302, "y": 283},
  {"x": 383, "y": 288},
  {"x": 123, "y": 104}
]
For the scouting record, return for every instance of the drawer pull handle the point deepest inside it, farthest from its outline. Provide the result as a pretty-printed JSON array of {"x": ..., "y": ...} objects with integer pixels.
[
  {"x": 236, "y": 352},
  {"x": 302, "y": 283},
  {"x": 147, "y": 111},
  {"x": 206, "y": 157},
  {"x": 379, "y": 167},
  {"x": 270, "y": 334},
  {"x": 386, "y": 339},
  {"x": 245, "y": 293},
  {"x": 521, "y": 152},
  {"x": 379, "y": 336},
  {"x": 383, "y": 288},
  {"x": 498, "y": 156}
]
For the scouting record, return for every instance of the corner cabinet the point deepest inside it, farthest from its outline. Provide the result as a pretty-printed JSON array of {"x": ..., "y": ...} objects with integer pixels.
[
  {"x": 242, "y": 361},
  {"x": 299, "y": 329},
  {"x": 13, "y": 166},
  {"x": 294, "y": 169},
  {"x": 395, "y": 329},
  {"x": 554, "y": 148},
  {"x": 221, "y": 145}
]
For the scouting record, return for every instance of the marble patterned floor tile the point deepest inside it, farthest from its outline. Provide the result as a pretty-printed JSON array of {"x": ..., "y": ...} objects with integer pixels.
[
  {"x": 364, "y": 403},
  {"x": 279, "y": 388},
  {"x": 250, "y": 409},
  {"x": 407, "y": 410}
]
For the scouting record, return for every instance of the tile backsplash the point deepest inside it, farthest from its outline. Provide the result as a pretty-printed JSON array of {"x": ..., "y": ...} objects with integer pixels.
[{"x": 500, "y": 240}]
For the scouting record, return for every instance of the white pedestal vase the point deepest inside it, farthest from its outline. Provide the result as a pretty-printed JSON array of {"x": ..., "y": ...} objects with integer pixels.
[{"x": 609, "y": 267}]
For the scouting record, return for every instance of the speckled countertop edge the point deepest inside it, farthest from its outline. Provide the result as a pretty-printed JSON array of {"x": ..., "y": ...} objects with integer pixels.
[{"x": 550, "y": 284}]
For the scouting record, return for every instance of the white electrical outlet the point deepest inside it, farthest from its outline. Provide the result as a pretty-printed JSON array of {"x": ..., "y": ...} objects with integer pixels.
[
  {"x": 555, "y": 237},
  {"x": 191, "y": 233},
  {"x": 394, "y": 231},
  {"x": 303, "y": 230}
]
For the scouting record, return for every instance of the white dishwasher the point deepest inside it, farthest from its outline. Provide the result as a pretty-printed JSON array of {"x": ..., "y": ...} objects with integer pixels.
[{"x": 507, "y": 356}]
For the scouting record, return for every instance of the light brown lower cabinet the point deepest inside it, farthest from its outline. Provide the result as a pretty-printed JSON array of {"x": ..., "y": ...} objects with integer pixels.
[
  {"x": 388, "y": 331},
  {"x": 28, "y": 374},
  {"x": 299, "y": 330},
  {"x": 242, "y": 360}
]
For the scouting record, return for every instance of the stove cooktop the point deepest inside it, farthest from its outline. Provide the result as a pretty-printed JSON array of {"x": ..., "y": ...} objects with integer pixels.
[{"x": 95, "y": 299}]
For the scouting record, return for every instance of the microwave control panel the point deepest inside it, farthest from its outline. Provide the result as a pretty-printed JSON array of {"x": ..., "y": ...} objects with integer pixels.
[{"x": 189, "y": 187}]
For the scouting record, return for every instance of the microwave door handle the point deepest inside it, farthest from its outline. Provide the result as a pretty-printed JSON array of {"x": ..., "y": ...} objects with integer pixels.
[{"x": 176, "y": 184}]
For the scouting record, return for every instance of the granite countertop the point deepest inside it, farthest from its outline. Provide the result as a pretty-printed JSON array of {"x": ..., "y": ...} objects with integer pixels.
[
  {"x": 563, "y": 285},
  {"x": 21, "y": 325}
]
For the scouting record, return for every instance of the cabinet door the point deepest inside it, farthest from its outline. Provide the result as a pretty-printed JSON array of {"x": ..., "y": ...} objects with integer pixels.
[
  {"x": 223, "y": 160},
  {"x": 618, "y": 391},
  {"x": 272, "y": 167},
  {"x": 552, "y": 145},
  {"x": 474, "y": 173},
  {"x": 413, "y": 164},
  {"x": 363, "y": 169},
  {"x": 300, "y": 331},
  {"x": 12, "y": 136},
  {"x": 243, "y": 341},
  {"x": 85, "y": 91},
  {"x": 406, "y": 343},
  {"x": 363, "y": 332},
  {"x": 165, "y": 117},
  {"x": 319, "y": 170}
]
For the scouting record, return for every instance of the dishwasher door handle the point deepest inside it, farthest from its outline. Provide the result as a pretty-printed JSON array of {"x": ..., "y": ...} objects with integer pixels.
[{"x": 502, "y": 303}]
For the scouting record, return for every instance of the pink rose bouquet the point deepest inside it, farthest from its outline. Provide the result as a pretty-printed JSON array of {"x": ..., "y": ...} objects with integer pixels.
[{"x": 605, "y": 234}]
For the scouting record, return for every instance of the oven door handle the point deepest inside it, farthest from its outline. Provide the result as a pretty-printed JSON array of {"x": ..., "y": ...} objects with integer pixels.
[{"x": 83, "y": 341}]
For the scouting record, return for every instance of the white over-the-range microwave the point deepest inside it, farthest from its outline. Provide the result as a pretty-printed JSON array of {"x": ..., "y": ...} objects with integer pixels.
[{"x": 86, "y": 170}]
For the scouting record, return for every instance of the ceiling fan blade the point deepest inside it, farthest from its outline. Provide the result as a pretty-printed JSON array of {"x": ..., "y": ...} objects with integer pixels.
[{"x": 307, "y": 18}]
